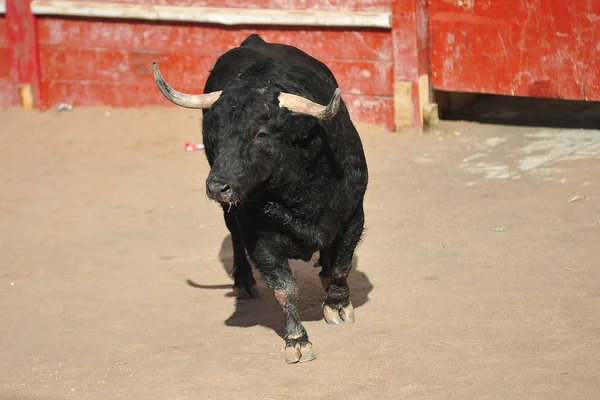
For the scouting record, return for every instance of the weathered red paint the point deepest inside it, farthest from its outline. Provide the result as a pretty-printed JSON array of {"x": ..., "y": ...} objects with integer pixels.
[
  {"x": 187, "y": 70},
  {"x": 87, "y": 61},
  {"x": 8, "y": 89},
  {"x": 411, "y": 48},
  {"x": 370, "y": 109},
  {"x": 353, "y": 5},
  {"x": 539, "y": 48},
  {"x": 364, "y": 44},
  {"x": 22, "y": 45},
  {"x": 590, "y": 38}
]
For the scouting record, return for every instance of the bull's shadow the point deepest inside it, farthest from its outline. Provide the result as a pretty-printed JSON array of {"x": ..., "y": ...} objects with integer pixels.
[{"x": 265, "y": 311}]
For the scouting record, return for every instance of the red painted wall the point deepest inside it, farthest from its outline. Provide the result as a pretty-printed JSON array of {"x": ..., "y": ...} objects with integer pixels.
[
  {"x": 8, "y": 88},
  {"x": 540, "y": 48},
  {"x": 349, "y": 5},
  {"x": 95, "y": 62}
]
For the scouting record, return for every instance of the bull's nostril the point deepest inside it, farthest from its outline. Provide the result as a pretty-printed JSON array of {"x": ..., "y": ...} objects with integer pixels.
[{"x": 218, "y": 190}]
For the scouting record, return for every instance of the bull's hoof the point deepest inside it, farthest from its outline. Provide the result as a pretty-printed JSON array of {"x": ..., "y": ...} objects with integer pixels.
[
  {"x": 335, "y": 316},
  {"x": 315, "y": 260},
  {"x": 246, "y": 292},
  {"x": 299, "y": 353}
]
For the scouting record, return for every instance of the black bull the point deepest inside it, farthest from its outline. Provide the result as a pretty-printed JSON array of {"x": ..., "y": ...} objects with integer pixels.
[{"x": 289, "y": 172}]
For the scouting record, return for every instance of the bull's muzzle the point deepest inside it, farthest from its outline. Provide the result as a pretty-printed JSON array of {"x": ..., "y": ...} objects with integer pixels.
[{"x": 218, "y": 190}]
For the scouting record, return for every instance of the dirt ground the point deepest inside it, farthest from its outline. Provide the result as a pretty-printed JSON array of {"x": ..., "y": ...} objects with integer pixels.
[{"x": 478, "y": 277}]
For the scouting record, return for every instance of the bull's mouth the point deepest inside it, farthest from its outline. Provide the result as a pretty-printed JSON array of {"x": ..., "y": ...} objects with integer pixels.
[
  {"x": 223, "y": 199},
  {"x": 226, "y": 198}
]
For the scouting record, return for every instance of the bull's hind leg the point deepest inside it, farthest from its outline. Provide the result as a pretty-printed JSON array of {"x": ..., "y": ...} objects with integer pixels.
[
  {"x": 337, "y": 262},
  {"x": 244, "y": 284},
  {"x": 277, "y": 273}
]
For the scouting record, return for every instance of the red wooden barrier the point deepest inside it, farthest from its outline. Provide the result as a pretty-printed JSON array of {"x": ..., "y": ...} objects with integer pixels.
[
  {"x": 22, "y": 57},
  {"x": 100, "y": 61},
  {"x": 411, "y": 61},
  {"x": 8, "y": 88},
  {"x": 109, "y": 61},
  {"x": 542, "y": 48},
  {"x": 99, "y": 53}
]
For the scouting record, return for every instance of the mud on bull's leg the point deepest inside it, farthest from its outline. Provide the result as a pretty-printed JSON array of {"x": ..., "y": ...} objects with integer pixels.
[
  {"x": 277, "y": 273},
  {"x": 337, "y": 308}
]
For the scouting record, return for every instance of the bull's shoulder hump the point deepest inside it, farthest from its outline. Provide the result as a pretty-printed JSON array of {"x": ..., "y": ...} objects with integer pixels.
[{"x": 254, "y": 38}]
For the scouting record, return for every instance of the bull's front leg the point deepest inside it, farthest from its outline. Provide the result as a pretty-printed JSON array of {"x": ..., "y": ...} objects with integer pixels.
[
  {"x": 244, "y": 285},
  {"x": 276, "y": 272},
  {"x": 336, "y": 261}
]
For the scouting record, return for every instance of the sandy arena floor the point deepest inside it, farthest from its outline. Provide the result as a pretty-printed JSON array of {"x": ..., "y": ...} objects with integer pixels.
[{"x": 478, "y": 278}]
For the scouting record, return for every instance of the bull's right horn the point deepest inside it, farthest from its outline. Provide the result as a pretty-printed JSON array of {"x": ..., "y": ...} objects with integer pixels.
[
  {"x": 303, "y": 105},
  {"x": 182, "y": 99}
]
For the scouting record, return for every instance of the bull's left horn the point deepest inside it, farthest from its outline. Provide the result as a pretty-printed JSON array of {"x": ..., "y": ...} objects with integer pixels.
[
  {"x": 304, "y": 106},
  {"x": 182, "y": 99}
]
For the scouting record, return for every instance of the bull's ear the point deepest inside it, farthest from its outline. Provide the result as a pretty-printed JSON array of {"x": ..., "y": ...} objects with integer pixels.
[{"x": 303, "y": 127}]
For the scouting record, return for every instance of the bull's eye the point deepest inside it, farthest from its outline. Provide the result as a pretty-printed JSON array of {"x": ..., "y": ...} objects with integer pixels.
[{"x": 261, "y": 134}]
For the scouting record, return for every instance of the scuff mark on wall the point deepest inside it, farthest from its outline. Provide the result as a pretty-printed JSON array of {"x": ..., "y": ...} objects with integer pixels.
[{"x": 464, "y": 4}]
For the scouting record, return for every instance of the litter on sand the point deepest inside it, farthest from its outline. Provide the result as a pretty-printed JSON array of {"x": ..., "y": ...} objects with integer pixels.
[
  {"x": 501, "y": 229},
  {"x": 64, "y": 107},
  {"x": 193, "y": 147},
  {"x": 575, "y": 198}
]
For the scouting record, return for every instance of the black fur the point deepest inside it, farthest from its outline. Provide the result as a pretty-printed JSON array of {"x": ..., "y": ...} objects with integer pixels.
[{"x": 297, "y": 183}]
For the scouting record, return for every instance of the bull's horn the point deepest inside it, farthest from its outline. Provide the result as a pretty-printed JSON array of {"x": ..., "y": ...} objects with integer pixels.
[
  {"x": 304, "y": 106},
  {"x": 182, "y": 99}
]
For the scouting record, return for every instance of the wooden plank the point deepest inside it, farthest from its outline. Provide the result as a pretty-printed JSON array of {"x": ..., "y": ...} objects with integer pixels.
[
  {"x": 363, "y": 77},
  {"x": 368, "y": 109},
  {"x": 522, "y": 48},
  {"x": 365, "y": 44},
  {"x": 8, "y": 89},
  {"x": 371, "y": 109},
  {"x": 9, "y": 95},
  {"x": 22, "y": 45},
  {"x": 347, "y": 5},
  {"x": 411, "y": 60},
  {"x": 4, "y": 63},
  {"x": 187, "y": 70},
  {"x": 3, "y": 29},
  {"x": 81, "y": 94},
  {"x": 589, "y": 35},
  {"x": 213, "y": 15}
]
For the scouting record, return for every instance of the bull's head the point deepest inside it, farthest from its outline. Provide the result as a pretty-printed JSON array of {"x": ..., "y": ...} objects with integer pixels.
[
  {"x": 240, "y": 161},
  {"x": 290, "y": 101}
]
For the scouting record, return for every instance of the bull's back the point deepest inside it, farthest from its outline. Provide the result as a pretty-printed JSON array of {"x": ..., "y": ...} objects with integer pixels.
[{"x": 296, "y": 65}]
